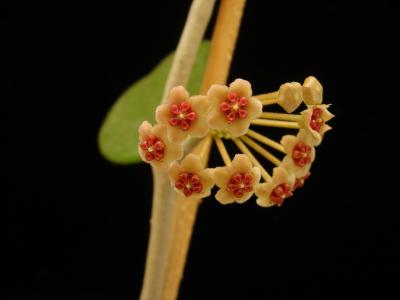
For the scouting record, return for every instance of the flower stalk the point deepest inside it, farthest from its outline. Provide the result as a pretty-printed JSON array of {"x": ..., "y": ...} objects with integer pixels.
[
  {"x": 164, "y": 204},
  {"x": 173, "y": 217}
]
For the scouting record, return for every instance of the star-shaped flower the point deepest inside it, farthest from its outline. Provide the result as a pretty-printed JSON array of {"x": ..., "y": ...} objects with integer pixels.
[
  {"x": 183, "y": 115},
  {"x": 277, "y": 190},
  {"x": 237, "y": 181},
  {"x": 155, "y": 148},
  {"x": 300, "y": 152},
  {"x": 232, "y": 108},
  {"x": 315, "y": 118},
  {"x": 190, "y": 179}
]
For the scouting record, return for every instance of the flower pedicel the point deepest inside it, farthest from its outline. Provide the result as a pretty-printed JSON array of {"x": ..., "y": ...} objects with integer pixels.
[{"x": 227, "y": 113}]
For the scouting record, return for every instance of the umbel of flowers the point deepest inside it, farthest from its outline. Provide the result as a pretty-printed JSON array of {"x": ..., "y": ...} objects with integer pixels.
[{"x": 230, "y": 113}]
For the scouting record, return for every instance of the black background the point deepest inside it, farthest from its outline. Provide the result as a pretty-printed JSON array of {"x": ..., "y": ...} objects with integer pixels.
[{"x": 77, "y": 226}]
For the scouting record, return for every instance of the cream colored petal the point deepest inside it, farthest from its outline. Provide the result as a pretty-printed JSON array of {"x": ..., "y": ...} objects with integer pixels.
[
  {"x": 172, "y": 152},
  {"x": 244, "y": 198},
  {"x": 264, "y": 202},
  {"x": 280, "y": 175},
  {"x": 199, "y": 128},
  {"x": 316, "y": 136},
  {"x": 325, "y": 128},
  {"x": 287, "y": 162},
  {"x": 192, "y": 163},
  {"x": 216, "y": 94},
  {"x": 326, "y": 114},
  {"x": 304, "y": 136},
  {"x": 241, "y": 87},
  {"x": 177, "y": 94},
  {"x": 238, "y": 127},
  {"x": 312, "y": 91},
  {"x": 288, "y": 142},
  {"x": 145, "y": 129},
  {"x": 312, "y": 156},
  {"x": 241, "y": 163},
  {"x": 291, "y": 179},
  {"x": 307, "y": 137},
  {"x": 160, "y": 131},
  {"x": 174, "y": 170},
  {"x": 307, "y": 114},
  {"x": 207, "y": 179},
  {"x": 216, "y": 120},
  {"x": 224, "y": 197},
  {"x": 177, "y": 135},
  {"x": 263, "y": 192},
  {"x": 163, "y": 114},
  {"x": 200, "y": 104},
  {"x": 254, "y": 109},
  {"x": 221, "y": 176}
]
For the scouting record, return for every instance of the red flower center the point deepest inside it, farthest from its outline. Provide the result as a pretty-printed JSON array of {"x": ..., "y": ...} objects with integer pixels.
[
  {"x": 189, "y": 183},
  {"x": 240, "y": 183},
  {"x": 182, "y": 115},
  {"x": 153, "y": 147},
  {"x": 316, "y": 119},
  {"x": 301, "y": 154},
  {"x": 280, "y": 193},
  {"x": 234, "y": 107},
  {"x": 300, "y": 181}
]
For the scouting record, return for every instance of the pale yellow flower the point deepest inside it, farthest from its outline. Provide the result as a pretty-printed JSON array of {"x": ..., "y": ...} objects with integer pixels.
[
  {"x": 232, "y": 108},
  {"x": 277, "y": 190},
  {"x": 184, "y": 116},
  {"x": 315, "y": 118},
  {"x": 155, "y": 148},
  {"x": 300, "y": 152},
  {"x": 290, "y": 96},
  {"x": 237, "y": 181},
  {"x": 312, "y": 91},
  {"x": 190, "y": 179}
]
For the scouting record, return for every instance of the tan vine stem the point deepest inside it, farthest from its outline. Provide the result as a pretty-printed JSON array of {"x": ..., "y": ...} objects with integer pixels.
[
  {"x": 222, "y": 46},
  {"x": 189, "y": 42},
  {"x": 164, "y": 203}
]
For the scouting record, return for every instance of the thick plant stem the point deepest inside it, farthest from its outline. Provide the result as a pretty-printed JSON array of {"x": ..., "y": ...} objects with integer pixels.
[
  {"x": 160, "y": 234},
  {"x": 164, "y": 203},
  {"x": 217, "y": 70},
  {"x": 184, "y": 220},
  {"x": 189, "y": 42},
  {"x": 223, "y": 43}
]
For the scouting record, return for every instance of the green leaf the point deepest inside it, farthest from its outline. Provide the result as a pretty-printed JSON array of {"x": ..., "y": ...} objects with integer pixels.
[{"x": 118, "y": 136}]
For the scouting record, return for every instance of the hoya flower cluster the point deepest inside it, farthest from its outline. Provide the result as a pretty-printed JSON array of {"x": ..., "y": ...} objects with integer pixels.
[{"x": 226, "y": 113}]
